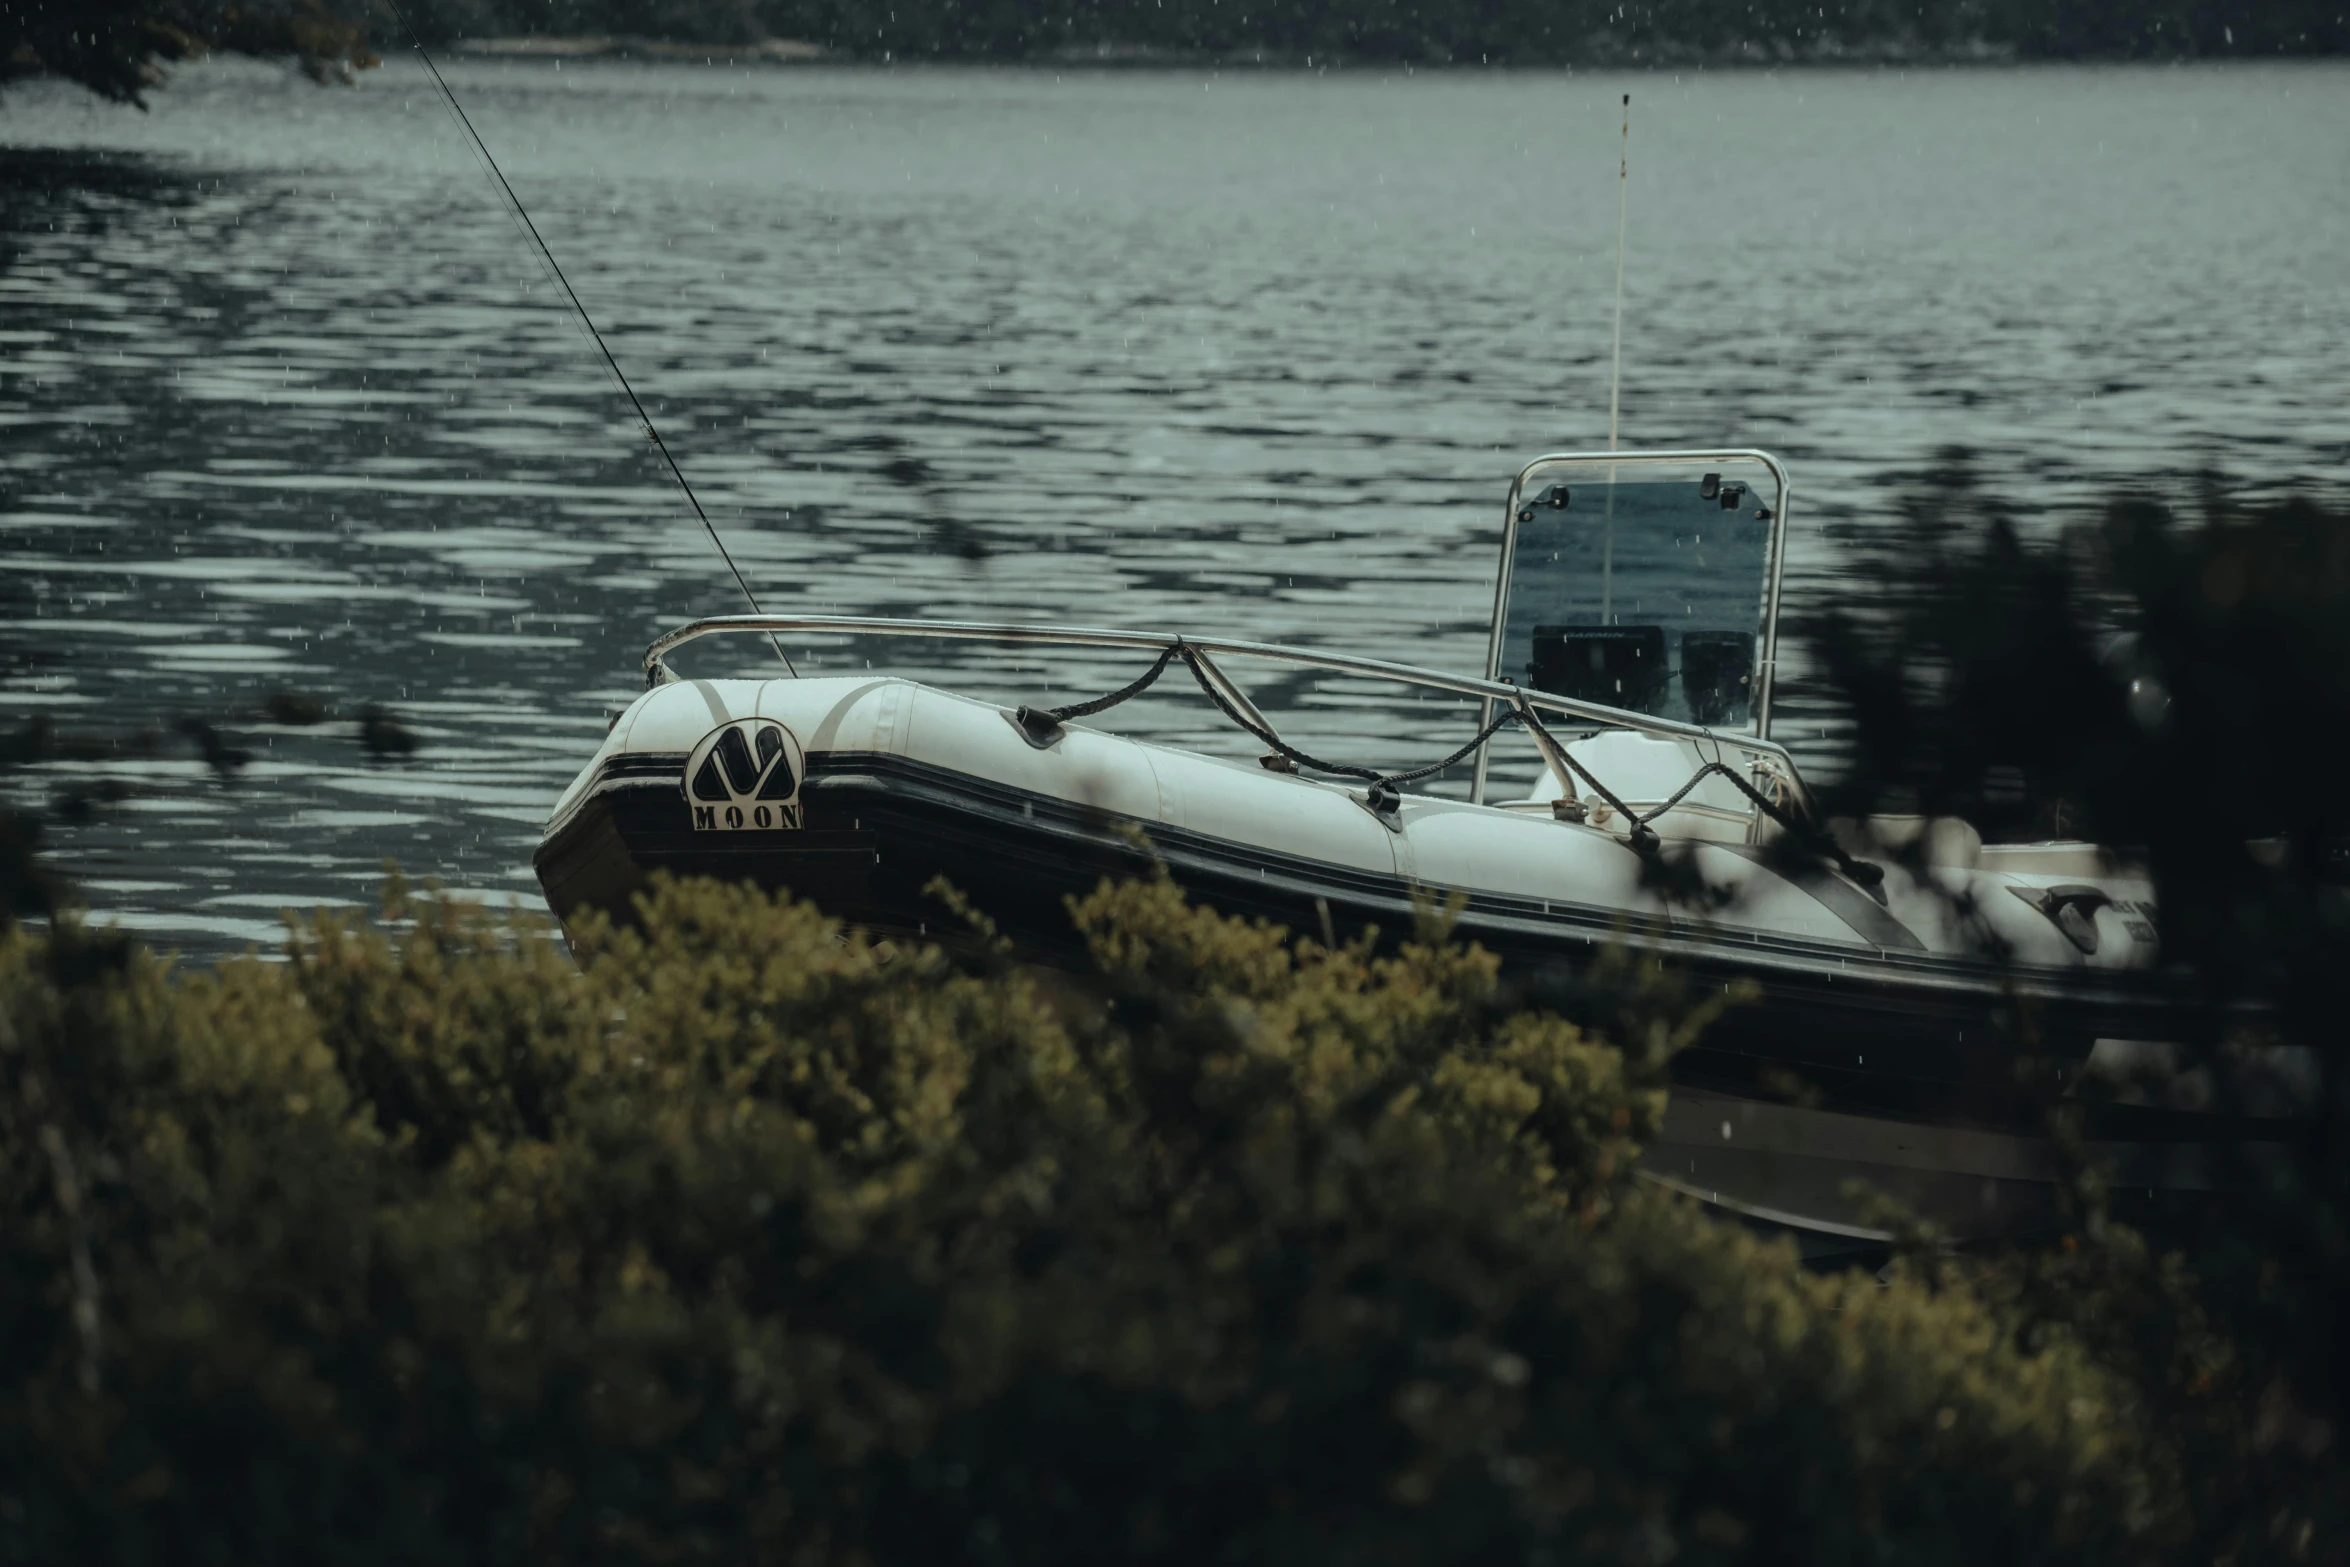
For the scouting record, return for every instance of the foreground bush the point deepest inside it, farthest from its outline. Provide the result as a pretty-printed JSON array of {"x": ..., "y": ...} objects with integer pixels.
[
  {"x": 748, "y": 1240},
  {"x": 2043, "y": 682}
]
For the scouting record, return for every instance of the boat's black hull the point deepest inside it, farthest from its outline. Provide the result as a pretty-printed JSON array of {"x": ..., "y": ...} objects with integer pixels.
[{"x": 1897, "y": 1033}]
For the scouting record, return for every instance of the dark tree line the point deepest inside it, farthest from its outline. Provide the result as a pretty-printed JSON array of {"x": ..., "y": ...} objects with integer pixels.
[
  {"x": 1519, "y": 31},
  {"x": 1511, "y": 31},
  {"x": 119, "y": 48}
]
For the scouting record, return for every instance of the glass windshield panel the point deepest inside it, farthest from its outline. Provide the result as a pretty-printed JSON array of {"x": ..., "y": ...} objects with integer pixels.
[{"x": 1647, "y": 590}]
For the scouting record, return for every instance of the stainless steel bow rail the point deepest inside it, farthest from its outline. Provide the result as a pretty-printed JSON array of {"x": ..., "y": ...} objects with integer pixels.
[{"x": 1763, "y": 756}]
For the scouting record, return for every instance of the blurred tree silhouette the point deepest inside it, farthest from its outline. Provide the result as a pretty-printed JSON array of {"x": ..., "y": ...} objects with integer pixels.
[
  {"x": 120, "y": 48},
  {"x": 2174, "y": 688}
]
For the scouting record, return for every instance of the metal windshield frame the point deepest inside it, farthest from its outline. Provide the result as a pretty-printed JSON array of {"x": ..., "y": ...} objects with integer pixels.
[{"x": 1766, "y": 664}]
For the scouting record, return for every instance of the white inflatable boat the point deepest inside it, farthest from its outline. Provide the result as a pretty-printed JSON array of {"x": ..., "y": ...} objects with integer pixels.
[{"x": 1632, "y": 650}]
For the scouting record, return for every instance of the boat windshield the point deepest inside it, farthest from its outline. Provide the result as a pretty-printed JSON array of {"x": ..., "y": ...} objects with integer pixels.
[{"x": 1645, "y": 581}]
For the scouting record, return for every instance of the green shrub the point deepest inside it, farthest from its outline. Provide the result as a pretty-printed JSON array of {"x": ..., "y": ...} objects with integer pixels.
[
  {"x": 2055, "y": 683},
  {"x": 746, "y": 1239}
]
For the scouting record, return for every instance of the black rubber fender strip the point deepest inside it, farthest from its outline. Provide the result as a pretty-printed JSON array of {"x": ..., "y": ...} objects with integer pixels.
[{"x": 1869, "y": 919}]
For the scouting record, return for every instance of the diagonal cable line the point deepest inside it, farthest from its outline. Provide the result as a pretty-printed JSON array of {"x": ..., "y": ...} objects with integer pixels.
[{"x": 644, "y": 419}]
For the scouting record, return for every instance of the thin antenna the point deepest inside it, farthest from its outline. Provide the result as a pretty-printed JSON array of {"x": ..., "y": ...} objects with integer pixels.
[
  {"x": 1615, "y": 377},
  {"x": 514, "y": 205},
  {"x": 1615, "y": 380}
]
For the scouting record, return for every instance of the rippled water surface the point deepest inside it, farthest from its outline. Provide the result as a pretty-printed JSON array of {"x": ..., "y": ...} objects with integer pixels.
[{"x": 286, "y": 406}]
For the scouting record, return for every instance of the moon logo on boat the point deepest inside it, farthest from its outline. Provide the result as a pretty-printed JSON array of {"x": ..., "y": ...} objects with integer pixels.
[{"x": 745, "y": 776}]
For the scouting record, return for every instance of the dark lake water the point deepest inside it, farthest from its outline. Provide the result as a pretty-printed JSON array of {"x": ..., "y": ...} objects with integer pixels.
[{"x": 285, "y": 405}]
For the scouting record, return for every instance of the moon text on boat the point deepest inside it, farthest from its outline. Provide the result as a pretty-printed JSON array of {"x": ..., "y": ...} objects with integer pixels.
[{"x": 744, "y": 776}]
